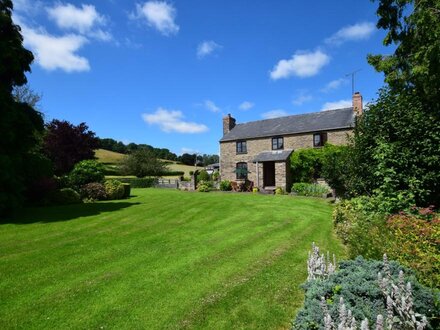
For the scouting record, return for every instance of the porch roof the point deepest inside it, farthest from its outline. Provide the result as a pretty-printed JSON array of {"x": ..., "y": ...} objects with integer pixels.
[{"x": 273, "y": 156}]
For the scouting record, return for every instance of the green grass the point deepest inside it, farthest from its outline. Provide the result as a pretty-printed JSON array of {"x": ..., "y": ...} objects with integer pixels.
[
  {"x": 108, "y": 157},
  {"x": 163, "y": 259}
]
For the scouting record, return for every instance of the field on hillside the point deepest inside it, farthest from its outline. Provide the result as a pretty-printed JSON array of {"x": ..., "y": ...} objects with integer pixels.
[
  {"x": 161, "y": 259},
  {"x": 112, "y": 158}
]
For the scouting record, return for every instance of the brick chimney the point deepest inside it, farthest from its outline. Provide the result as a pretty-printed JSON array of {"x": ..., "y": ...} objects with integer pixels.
[
  {"x": 357, "y": 103},
  {"x": 228, "y": 123}
]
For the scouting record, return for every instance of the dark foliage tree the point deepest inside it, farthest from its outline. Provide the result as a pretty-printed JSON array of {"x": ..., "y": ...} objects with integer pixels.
[
  {"x": 143, "y": 162},
  {"x": 19, "y": 122},
  {"x": 66, "y": 144},
  {"x": 188, "y": 159},
  {"x": 397, "y": 141}
]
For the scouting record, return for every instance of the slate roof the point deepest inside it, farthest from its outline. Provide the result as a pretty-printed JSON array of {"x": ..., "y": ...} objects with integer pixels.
[
  {"x": 304, "y": 123},
  {"x": 273, "y": 156}
]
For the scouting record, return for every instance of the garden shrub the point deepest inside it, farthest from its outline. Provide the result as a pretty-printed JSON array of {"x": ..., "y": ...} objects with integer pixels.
[
  {"x": 361, "y": 227},
  {"x": 86, "y": 171},
  {"x": 279, "y": 191},
  {"x": 114, "y": 189},
  {"x": 171, "y": 173},
  {"x": 203, "y": 176},
  {"x": 215, "y": 175},
  {"x": 309, "y": 189},
  {"x": 415, "y": 242},
  {"x": 127, "y": 190},
  {"x": 93, "y": 191},
  {"x": 255, "y": 190},
  {"x": 139, "y": 182},
  {"x": 225, "y": 185},
  {"x": 204, "y": 186},
  {"x": 357, "y": 282},
  {"x": 66, "y": 196}
]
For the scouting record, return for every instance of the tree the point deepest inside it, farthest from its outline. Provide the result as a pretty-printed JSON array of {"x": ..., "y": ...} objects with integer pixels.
[
  {"x": 66, "y": 144},
  {"x": 188, "y": 159},
  {"x": 143, "y": 162},
  {"x": 25, "y": 94},
  {"x": 19, "y": 122},
  {"x": 414, "y": 26},
  {"x": 396, "y": 143}
]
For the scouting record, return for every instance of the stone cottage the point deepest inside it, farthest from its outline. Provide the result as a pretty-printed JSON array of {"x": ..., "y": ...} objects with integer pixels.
[{"x": 260, "y": 151}]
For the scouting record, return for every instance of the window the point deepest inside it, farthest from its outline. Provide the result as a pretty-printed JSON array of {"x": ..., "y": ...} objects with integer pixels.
[
  {"x": 241, "y": 147},
  {"x": 241, "y": 171},
  {"x": 277, "y": 143},
  {"x": 319, "y": 139}
]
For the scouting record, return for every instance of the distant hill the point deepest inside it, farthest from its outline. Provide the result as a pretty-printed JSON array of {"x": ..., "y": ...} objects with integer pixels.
[
  {"x": 108, "y": 157},
  {"x": 113, "y": 159}
]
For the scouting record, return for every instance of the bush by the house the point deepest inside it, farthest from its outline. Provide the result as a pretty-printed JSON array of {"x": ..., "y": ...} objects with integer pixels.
[
  {"x": 139, "y": 182},
  {"x": 279, "y": 191},
  {"x": 93, "y": 191},
  {"x": 225, "y": 185},
  {"x": 357, "y": 282},
  {"x": 65, "y": 196},
  {"x": 114, "y": 189},
  {"x": 309, "y": 189},
  {"x": 203, "y": 176},
  {"x": 415, "y": 242},
  {"x": 204, "y": 186},
  {"x": 306, "y": 164},
  {"x": 127, "y": 190},
  {"x": 255, "y": 190},
  {"x": 215, "y": 175},
  {"x": 86, "y": 171}
]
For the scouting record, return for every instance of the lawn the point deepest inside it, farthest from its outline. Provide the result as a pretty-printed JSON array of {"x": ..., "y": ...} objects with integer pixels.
[{"x": 163, "y": 259}]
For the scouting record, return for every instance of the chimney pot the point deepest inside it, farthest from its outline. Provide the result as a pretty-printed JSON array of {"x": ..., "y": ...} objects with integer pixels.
[
  {"x": 228, "y": 123},
  {"x": 357, "y": 103}
]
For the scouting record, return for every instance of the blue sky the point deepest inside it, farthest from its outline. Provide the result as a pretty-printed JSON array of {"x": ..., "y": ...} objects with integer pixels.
[{"x": 164, "y": 73}]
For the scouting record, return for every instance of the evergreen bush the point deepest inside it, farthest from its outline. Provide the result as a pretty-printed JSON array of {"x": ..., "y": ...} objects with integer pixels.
[
  {"x": 357, "y": 282},
  {"x": 309, "y": 189},
  {"x": 84, "y": 172},
  {"x": 139, "y": 182},
  {"x": 65, "y": 196},
  {"x": 225, "y": 185},
  {"x": 114, "y": 189}
]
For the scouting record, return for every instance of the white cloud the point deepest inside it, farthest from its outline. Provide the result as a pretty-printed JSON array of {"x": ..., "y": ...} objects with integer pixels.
[
  {"x": 27, "y": 6},
  {"x": 207, "y": 47},
  {"x": 246, "y": 105},
  {"x": 159, "y": 15},
  {"x": 84, "y": 20},
  {"x": 53, "y": 52},
  {"x": 357, "y": 31},
  {"x": 337, "y": 105},
  {"x": 172, "y": 121},
  {"x": 302, "y": 97},
  {"x": 302, "y": 64},
  {"x": 211, "y": 106},
  {"x": 274, "y": 114},
  {"x": 334, "y": 84}
]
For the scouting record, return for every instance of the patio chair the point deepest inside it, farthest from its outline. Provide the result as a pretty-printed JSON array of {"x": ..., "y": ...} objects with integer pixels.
[
  {"x": 249, "y": 186},
  {"x": 234, "y": 186}
]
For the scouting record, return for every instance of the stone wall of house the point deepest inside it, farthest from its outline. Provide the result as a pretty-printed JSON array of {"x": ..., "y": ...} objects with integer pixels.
[{"x": 229, "y": 158}]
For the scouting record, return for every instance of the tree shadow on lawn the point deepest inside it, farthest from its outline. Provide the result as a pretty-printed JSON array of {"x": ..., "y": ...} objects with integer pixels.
[{"x": 64, "y": 212}]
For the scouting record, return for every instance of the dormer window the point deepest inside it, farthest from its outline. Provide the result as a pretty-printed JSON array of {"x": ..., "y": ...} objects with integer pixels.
[
  {"x": 277, "y": 143},
  {"x": 319, "y": 139},
  {"x": 241, "y": 147}
]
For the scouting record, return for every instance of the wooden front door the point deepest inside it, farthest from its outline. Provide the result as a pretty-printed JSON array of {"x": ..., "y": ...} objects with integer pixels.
[{"x": 269, "y": 174}]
